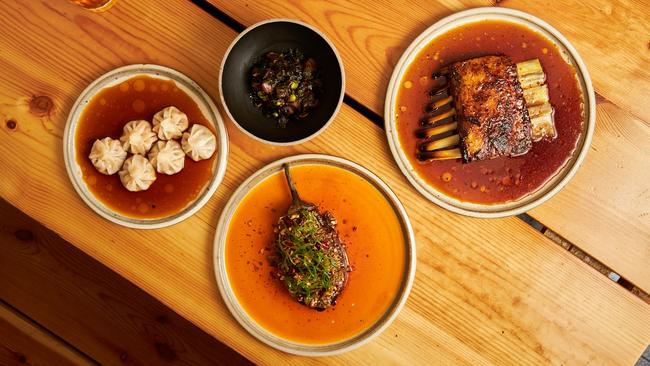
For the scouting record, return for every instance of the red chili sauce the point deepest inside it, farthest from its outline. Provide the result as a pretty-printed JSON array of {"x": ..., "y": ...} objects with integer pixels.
[{"x": 506, "y": 178}]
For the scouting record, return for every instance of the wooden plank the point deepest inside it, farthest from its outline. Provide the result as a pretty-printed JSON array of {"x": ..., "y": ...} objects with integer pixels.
[
  {"x": 614, "y": 227},
  {"x": 372, "y": 36},
  {"x": 486, "y": 291},
  {"x": 22, "y": 342},
  {"x": 91, "y": 307}
]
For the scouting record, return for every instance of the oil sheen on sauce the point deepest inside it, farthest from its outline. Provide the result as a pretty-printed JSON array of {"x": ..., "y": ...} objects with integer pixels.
[
  {"x": 106, "y": 114},
  {"x": 367, "y": 225},
  {"x": 502, "y": 179}
]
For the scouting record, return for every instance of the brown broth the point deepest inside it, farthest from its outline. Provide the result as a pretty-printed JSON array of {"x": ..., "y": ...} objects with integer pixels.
[
  {"x": 369, "y": 228},
  {"x": 502, "y": 179},
  {"x": 106, "y": 114}
]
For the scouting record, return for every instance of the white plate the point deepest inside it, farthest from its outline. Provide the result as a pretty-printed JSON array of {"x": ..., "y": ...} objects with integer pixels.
[
  {"x": 551, "y": 186},
  {"x": 249, "y": 323},
  {"x": 205, "y": 104}
]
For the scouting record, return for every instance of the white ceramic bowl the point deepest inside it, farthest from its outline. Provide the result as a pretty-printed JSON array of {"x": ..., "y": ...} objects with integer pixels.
[
  {"x": 204, "y": 103},
  {"x": 248, "y": 322},
  {"x": 551, "y": 186}
]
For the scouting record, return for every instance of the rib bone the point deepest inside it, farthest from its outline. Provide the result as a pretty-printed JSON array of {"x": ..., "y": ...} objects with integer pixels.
[{"x": 437, "y": 142}]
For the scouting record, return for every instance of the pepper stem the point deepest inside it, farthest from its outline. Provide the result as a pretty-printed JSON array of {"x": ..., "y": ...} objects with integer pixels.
[{"x": 292, "y": 186}]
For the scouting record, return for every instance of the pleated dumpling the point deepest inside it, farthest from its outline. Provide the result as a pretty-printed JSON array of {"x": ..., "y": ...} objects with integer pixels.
[
  {"x": 199, "y": 143},
  {"x": 137, "y": 173},
  {"x": 169, "y": 123},
  {"x": 167, "y": 157},
  {"x": 107, "y": 155},
  {"x": 137, "y": 137}
]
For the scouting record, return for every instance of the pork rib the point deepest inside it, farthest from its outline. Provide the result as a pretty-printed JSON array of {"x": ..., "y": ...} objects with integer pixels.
[{"x": 490, "y": 108}]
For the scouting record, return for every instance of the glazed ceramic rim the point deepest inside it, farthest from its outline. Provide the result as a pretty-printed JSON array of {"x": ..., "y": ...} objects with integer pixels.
[
  {"x": 338, "y": 58},
  {"x": 555, "y": 183},
  {"x": 203, "y": 101},
  {"x": 268, "y": 337}
]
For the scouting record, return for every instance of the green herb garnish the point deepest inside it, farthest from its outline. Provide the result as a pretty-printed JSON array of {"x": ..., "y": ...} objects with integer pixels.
[
  {"x": 309, "y": 257},
  {"x": 303, "y": 258}
]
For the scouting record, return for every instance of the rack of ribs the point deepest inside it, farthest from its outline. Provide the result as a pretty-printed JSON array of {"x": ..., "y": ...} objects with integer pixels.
[{"x": 486, "y": 107}]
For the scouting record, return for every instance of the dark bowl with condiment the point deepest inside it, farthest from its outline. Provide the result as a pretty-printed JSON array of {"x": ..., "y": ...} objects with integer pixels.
[{"x": 235, "y": 79}]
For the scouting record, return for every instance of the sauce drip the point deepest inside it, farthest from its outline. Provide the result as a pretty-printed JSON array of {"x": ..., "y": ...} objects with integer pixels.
[
  {"x": 367, "y": 225},
  {"x": 106, "y": 114},
  {"x": 502, "y": 179}
]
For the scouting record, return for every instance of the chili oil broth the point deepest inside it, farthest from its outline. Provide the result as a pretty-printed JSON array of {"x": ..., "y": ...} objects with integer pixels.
[
  {"x": 106, "y": 114},
  {"x": 506, "y": 178},
  {"x": 368, "y": 227}
]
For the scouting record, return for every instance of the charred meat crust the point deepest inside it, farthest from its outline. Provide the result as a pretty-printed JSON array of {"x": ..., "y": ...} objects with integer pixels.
[{"x": 491, "y": 111}]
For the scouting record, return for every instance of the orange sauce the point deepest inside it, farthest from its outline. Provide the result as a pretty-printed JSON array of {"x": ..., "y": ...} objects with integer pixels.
[
  {"x": 106, "y": 114},
  {"x": 368, "y": 226},
  {"x": 502, "y": 179}
]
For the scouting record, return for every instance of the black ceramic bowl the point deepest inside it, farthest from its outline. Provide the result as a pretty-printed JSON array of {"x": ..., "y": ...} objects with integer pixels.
[{"x": 280, "y": 35}]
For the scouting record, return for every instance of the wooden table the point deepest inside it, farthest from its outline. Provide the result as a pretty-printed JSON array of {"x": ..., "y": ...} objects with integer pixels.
[{"x": 486, "y": 291}]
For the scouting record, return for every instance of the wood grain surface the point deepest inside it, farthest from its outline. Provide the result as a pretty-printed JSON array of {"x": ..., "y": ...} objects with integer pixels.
[
  {"x": 486, "y": 292},
  {"x": 24, "y": 343},
  {"x": 605, "y": 210},
  {"x": 100, "y": 313},
  {"x": 613, "y": 37}
]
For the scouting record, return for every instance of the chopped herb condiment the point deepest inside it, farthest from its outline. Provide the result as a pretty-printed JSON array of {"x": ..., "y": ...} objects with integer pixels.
[
  {"x": 310, "y": 259},
  {"x": 285, "y": 85}
]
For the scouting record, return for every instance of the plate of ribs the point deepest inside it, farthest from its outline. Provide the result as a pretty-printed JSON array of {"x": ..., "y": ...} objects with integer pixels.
[{"x": 490, "y": 112}]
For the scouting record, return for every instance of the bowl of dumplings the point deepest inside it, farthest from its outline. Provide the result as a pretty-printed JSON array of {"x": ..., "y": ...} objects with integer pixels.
[{"x": 145, "y": 146}]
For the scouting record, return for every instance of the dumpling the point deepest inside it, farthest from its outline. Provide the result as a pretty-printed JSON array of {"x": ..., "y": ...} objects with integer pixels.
[
  {"x": 169, "y": 123},
  {"x": 137, "y": 137},
  {"x": 137, "y": 173},
  {"x": 167, "y": 157},
  {"x": 199, "y": 143},
  {"x": 107, "y": 155}
]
